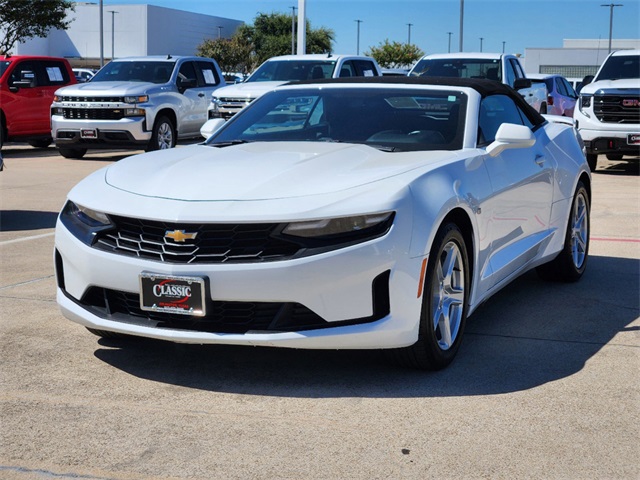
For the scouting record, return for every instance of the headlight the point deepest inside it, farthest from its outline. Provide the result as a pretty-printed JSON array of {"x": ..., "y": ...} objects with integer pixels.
[
  {"x": 344, "y": 228},
  {"x": 215, "y": 102},
  {"x": 57, "y": 98},
  {"x": 84, "y": 222},
  {"x": 585, "y": 102},
  {"x": 136, "y": 99}
]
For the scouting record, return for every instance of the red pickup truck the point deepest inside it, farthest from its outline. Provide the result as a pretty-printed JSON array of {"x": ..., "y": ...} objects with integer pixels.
[{"x": 27, "y": 85}]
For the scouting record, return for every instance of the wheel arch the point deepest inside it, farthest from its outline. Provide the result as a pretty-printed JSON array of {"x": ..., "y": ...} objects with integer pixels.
[
  {"x": 461, "y": 219},
  {"x": 170, "y": 114}
]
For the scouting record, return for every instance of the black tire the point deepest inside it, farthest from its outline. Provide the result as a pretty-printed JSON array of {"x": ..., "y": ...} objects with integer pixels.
[
  {"x": 1, "y": 131},
  {"x": 163, "y": 136},
  {"x": 543, "y": 108},
  {"x": 592, "y": 160},
  {"x": 614, "y": 156},
  {"x": 40, "y": 143},
  {"x": 107, "y": 334},
  {"x": 438, "y": 344},
  {"x": 72, "y": 152},
  {"x": 571, "y": 263}
]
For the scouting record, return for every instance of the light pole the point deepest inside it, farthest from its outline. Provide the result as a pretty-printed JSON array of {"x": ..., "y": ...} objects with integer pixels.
[
  {"x": 611, "y": 7},
  {"x": 461, "y": 22},
  {"x": 449, "y": 33},
  {"x": 358, "y": 37},
  {"x": 220, "y": 27},
  {"x": 293, "y": 30},
  {"x": 409, "y": 39},
  {"x": 101, "y": 34},
  {"x": 113, "y": 35},
  {"x": 503, "y": 44},
  {"x": 481, "y": 39},
  {"x": 302, "y": 27}
]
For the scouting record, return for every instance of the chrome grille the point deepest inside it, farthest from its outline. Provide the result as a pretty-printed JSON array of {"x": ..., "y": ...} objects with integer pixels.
[
  {"x": 617, "y": 108},
  {"x": 93, "y": 113},
  {"x": 67, "y": 98}
]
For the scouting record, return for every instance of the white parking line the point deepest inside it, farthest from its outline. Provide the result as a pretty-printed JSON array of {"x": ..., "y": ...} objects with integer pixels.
[{"x": 24, "y": 239}]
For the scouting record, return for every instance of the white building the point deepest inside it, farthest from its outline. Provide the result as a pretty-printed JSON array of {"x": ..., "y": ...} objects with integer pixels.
[
  {"x": 138, "y": 30},
  {"x": 576, "y": 58}
]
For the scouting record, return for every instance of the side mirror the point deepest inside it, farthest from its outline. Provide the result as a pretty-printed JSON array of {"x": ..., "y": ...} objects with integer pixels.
[
  {"x": 586, "y": 80},
  {"x": 211, "y": 126},
  {"x": 510, "y": 136},
  {"x": 521, "y": 83},
  {"x": 186, "y": 83}
]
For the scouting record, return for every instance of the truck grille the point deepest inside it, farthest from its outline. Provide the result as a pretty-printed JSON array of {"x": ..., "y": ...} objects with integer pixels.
[
  {"x": 68, "y": 98},
  {"x": 617, "y": 108},
  {"x": 212, "y": 243},
  {"x": 93, "y": 113}
]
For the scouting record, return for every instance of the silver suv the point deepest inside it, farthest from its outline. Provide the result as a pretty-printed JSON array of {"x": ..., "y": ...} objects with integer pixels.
[{"x": 137, "y": 102}]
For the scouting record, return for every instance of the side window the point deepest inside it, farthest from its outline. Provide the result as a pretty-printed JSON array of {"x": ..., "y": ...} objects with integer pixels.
[
  {"x": 570, "y": 91},
  {"x": 55, "y": 73},
  {"x": 187, "y": 76},
  {"x": 348, "y": 70},
  {"x": 510, "y": 75},
  {"x": 208, "y": 74},
  {"x": 560, "y": 88},
  {"x": 365, "y": 68},
  {"x": 24, "y": 75},
  {"x": 517, "y": 68},
  {"x": 494, "y": 111}
]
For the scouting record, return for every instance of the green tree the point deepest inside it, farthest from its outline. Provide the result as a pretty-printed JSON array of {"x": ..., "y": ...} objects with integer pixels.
[
  {"x": 395, "y": 54},
  {"x": 269, "y": 36},
  {"x": 233, "y": 55},
  {"x": 20, "y": 19}
]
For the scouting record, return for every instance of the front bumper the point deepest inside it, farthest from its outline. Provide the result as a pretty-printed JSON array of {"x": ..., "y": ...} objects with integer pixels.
[
  {"x": 339, "y": 287},
  {"x": 600, "y": 138},
  {"x": 126, "y": 132}
]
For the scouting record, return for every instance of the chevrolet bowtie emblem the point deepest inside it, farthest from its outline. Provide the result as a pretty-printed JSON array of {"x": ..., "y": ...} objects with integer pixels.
[{"x": 179, "y": 235}]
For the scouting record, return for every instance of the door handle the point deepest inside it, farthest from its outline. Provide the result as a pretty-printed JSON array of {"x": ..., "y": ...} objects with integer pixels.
[
  {"x": 201, "y": 94},
  {"x": 539, "y": 160}
]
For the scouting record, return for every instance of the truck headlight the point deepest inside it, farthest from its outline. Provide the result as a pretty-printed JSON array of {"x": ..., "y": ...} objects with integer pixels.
[
  {"x": 136, "y": 99},
  {"x": 585, "y": 102}
]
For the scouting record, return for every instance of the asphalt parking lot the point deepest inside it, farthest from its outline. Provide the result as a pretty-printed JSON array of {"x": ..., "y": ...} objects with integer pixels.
[{"x": 546, "y": 385}]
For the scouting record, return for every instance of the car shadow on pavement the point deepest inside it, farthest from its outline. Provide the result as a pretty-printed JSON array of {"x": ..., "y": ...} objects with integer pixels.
[
  {"x": 19, "y": 220},
  {"x": 629, "y": 166},
  {"x": 529, "y": 334}
]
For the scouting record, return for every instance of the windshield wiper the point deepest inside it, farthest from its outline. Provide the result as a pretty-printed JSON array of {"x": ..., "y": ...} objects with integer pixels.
[{"x": 228, "y": 144}]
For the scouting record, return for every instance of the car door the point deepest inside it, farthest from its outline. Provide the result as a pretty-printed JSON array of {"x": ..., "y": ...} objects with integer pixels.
[
  {"x": 24, "y": 102},
  {"x": 196, "y": 101},
  {"x": 522, "y": 186},
  {"x": 569, "y": 96}
]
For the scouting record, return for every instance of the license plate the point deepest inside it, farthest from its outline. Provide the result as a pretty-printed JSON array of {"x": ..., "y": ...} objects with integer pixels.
[
  {"x": 172, "y": 294},
  {"x": 633, "y": 139},
  {"x": 89, "y": 133}
]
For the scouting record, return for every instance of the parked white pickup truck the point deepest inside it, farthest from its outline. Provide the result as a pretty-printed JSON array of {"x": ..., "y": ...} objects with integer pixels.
[
  {"x": 138, "y": 102},
  {"x": 276, "y": 71},
  {"x": 608, "y": 113},
  {"x": 491, "y": 66}
]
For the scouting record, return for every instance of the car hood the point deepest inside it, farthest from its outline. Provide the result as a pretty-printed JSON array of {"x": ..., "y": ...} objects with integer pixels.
[
  {"x": 260, "y": 171},
  {"x": 108, "y": 88},
  {"x": 247, "y": 90},
  {"x": 627, "y": 83}
]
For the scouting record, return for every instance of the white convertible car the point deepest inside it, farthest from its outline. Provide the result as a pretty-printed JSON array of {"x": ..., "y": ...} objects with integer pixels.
[{"x": 359, "y": 213}]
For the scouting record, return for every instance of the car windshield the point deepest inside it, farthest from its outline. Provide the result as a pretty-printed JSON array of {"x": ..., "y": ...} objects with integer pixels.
[
  {"x": 392, "y": 119},
  {"x": 620, "y": 67},
  {"x": 458, "y": 68},
  {"x": 290, "y": 70},
  {"x": 132, "y": 71}
]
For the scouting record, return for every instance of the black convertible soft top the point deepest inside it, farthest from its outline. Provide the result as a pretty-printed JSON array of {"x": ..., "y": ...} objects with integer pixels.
[{"x": 482, "y": 86}]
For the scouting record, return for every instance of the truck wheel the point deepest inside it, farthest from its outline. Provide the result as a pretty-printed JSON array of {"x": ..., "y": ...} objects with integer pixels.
[
  {"x": 614, "y": 156},
  {"x": 164, "y": 135},
  {"x": 72, "y": 152},
  {"x": 592, "y": 160},
  {"x": 40, "y": 143},
  {"x": 543, "y": 109}
]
